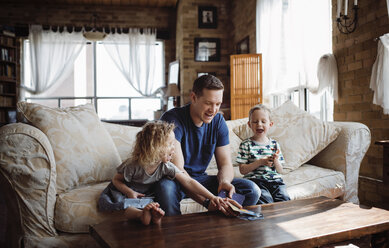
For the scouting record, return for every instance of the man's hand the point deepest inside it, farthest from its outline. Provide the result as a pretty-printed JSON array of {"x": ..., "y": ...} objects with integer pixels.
[
  {"x": 224, "y": 207},
  {"x": 226, "y": 186}
]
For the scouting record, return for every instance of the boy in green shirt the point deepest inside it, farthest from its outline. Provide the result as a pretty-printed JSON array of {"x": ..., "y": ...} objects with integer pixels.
[{"x": 260, "y": 158}]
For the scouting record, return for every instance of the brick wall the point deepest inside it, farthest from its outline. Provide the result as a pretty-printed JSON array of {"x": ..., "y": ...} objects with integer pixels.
[
  {"x": 80, "y": 15},
  {"x": 243, "y": 16},
  {"x": 356, "y": 53},
  {"x": 188, "y": 30}
]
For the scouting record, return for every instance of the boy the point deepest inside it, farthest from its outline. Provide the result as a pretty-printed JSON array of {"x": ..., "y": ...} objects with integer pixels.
[{"x": 260, "y": 158}]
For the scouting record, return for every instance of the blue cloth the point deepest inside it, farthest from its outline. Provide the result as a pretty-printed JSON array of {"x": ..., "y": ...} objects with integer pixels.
[
  {"x": 198, "y": 144},
  {"x": 271, "y": 190},
  {"x": 112, "y": 199},
  {"x": 169, "y": 193}
]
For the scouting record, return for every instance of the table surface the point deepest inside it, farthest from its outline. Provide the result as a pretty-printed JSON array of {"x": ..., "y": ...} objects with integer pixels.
[{"x": 298, "y": 223}]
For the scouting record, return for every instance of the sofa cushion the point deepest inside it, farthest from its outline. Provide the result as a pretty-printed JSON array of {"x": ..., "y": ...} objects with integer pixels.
[
  {"x": 77, "y": 209},
  {"x": 84, "y": 151},
  {"x": 300, "y": 134},
  {"x": 123, "y": 137},
  {"x": 311, "y": 181}
]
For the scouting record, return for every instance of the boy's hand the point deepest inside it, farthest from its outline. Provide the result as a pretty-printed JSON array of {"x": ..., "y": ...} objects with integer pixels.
[
  {"x": 272, "y": 158},
  {"x": 268, "y": 161}
]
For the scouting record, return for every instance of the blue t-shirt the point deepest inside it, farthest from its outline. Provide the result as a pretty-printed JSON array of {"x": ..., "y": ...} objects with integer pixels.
[{"x": 198, "y": 144}]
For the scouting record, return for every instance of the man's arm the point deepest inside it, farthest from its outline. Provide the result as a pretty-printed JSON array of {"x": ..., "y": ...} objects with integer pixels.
[
  {"x": 178, "y": 160},
  {"x": 225, "y": 173},
  {"x": 178, "y": 157}
]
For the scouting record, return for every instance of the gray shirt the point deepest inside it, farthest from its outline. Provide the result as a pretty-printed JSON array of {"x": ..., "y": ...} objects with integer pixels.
[{"x": 137, "y": 178}]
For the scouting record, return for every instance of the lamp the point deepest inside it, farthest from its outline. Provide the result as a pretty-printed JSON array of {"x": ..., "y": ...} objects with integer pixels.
[
  {"x": 345, "y": 24},
  {"x": 94, "y": 34},
  {"x": 173, "y": 91}
]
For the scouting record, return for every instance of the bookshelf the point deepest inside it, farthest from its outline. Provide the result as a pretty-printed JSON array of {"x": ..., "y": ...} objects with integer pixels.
[{"x": 8, "y": 76}]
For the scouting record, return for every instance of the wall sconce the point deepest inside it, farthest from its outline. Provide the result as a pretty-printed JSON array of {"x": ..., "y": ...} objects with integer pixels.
[
  {"x": 94, "y": 34},
  {"x": 346, "y": 24}
]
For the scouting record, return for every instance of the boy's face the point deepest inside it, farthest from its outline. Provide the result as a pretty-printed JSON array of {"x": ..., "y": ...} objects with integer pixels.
[
  {"x": 260, "y": 122},
  {"x": 169, "y": 149}
]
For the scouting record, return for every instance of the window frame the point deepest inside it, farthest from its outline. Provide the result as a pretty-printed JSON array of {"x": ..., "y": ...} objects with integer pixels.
[{"x": 94, "y": 99}]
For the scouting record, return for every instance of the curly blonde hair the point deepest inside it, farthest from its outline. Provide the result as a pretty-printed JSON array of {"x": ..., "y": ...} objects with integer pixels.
[{"x": 150, "y": 142}]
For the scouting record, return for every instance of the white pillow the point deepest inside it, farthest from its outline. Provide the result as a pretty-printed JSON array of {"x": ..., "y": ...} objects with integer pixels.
[
  {"x": 300, "y": 134},
  {"x": 83, "y": 149}
]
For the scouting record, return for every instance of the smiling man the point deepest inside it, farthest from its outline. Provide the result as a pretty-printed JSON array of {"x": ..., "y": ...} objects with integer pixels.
[{"x": 202, "y": 132}]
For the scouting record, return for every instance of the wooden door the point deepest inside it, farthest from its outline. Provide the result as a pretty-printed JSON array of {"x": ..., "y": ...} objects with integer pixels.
[{"x": 246, "y": 83}]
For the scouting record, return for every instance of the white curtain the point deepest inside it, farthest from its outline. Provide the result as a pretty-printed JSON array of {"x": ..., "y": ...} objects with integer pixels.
[
  {"x": 52, "y": 57},
  {"x": 134, "y": 55},
  {"x": 292, "y": 35},
  {"x": 379, "y": 81}
]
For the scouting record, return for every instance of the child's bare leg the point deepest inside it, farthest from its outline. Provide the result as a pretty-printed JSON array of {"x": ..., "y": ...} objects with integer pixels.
[
  {"x": 143, "y": 215},
  {"x": 156, "y": 214}
]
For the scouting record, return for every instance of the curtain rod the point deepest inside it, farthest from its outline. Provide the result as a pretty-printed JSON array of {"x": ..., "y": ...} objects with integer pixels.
[{"x": 87, "y": 28}]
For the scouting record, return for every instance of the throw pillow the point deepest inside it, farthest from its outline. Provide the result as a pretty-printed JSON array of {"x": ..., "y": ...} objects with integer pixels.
[
  {"x": 300, "y": 134},
  {"x": 84, "y": 151}
]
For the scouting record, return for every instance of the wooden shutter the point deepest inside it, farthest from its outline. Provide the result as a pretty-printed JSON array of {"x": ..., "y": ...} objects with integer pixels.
[{"x": 246, "y": 83}]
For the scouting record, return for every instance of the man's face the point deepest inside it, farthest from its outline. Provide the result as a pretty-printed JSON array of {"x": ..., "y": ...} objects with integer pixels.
[{"x": 205, "y": 107}]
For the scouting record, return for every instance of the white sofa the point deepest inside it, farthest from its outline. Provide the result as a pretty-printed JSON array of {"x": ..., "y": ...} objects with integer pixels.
[{"x": 41, "y": 214}]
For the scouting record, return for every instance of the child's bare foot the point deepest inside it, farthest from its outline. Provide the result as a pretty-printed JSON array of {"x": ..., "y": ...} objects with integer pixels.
[
  {"x": 156, "y": 214},
  {"x": 146, "y": 214}
]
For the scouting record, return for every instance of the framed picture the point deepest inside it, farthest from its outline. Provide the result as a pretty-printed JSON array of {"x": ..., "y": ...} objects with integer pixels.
[
  {"x": 199, "y": 74},
  {"x": 243, "y": 46},
  {"x": 207, "y": 17},
  {"x": 207, "y": 49}
]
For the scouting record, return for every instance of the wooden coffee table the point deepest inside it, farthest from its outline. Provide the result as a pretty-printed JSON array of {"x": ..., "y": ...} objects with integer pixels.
[{"x": 299, "y": 223}]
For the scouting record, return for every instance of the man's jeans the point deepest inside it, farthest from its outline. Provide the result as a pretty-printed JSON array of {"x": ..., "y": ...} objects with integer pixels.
[{"x": 169, "y": 193}]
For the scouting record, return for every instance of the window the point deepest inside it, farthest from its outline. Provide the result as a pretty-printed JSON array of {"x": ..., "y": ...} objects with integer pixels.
[
  {"x": 96, "y": 79},
  {"x": 292, "y": 36}
]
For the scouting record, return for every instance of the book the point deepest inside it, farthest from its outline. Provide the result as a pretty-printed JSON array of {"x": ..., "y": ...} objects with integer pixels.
[{"x": 245, "y": 214}]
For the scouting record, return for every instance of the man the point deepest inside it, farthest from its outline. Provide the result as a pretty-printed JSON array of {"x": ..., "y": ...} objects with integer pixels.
[{"x": 200, "y": 133}]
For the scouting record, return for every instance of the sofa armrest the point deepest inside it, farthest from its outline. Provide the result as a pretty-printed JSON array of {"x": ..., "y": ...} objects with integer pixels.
[
  {"x": 28, "y": 172},
  {"x": 345, "y": 154}
]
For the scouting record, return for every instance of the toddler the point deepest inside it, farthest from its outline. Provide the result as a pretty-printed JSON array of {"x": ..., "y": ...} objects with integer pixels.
[
  {"x": 150, "y": 162},
  {"x": 260, "y": 158}
]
